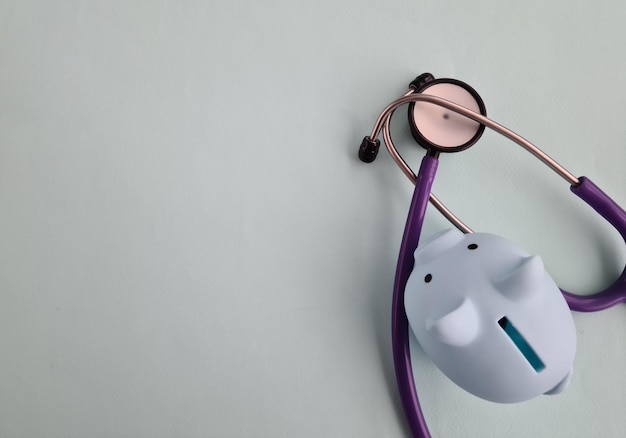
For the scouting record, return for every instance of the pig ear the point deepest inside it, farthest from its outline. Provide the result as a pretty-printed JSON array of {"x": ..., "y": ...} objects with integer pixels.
[
  {"x": 458, "y": 327},
  {"x": 525, "y": 281},
  {"x": 437, "y": 245}
]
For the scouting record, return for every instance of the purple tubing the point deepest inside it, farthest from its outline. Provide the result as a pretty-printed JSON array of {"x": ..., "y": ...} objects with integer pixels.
[
  {"x": 615, "y": 294},
  {"x": 399, "y": 322},
  {"x": 616, "y": 216}
]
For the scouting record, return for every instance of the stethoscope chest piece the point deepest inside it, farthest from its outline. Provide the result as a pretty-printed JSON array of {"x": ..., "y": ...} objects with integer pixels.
[{"x": 437, "y": 128}]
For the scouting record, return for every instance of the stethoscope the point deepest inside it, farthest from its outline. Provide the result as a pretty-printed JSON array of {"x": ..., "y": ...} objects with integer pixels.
[{"x": 447, "y": 115}]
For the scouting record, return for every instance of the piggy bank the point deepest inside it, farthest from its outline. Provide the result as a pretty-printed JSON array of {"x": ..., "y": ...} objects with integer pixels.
[{"x": 490, "y": 317}]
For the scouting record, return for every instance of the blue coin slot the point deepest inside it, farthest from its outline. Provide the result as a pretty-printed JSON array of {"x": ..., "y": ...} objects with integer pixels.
[{"x": 521, "y": 343}]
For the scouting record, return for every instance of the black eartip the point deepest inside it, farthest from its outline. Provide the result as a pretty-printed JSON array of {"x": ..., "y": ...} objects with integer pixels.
[
  {"x": 420, "y": 81},
  {"x": 368, "y": 149}
]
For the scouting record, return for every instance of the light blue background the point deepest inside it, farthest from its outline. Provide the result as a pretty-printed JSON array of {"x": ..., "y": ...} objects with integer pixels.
[{"x": 190, "y": 247}]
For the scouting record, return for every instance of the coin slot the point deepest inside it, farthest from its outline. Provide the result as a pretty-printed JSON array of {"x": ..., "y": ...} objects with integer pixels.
[{"x": 522, "y": 344}]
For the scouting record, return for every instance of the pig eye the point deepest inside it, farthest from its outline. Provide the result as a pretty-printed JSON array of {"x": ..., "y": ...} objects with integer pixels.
[
  {"x": 428, "y": 278},
  {"x": 472, "y": 246}
]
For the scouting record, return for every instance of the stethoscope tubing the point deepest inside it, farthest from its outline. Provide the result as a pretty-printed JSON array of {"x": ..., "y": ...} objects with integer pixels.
[
  {"x": 399, "y": 323},
  {"x": 616, "y": 216}
]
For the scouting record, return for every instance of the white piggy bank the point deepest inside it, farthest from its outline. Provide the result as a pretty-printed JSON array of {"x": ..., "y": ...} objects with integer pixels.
[{"x": 490, "y": 317}]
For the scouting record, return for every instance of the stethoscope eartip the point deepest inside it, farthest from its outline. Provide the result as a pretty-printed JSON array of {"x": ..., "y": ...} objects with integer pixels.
[
  {"x": 419, "y": 82},
  {"x": 368, "y": 149}
]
